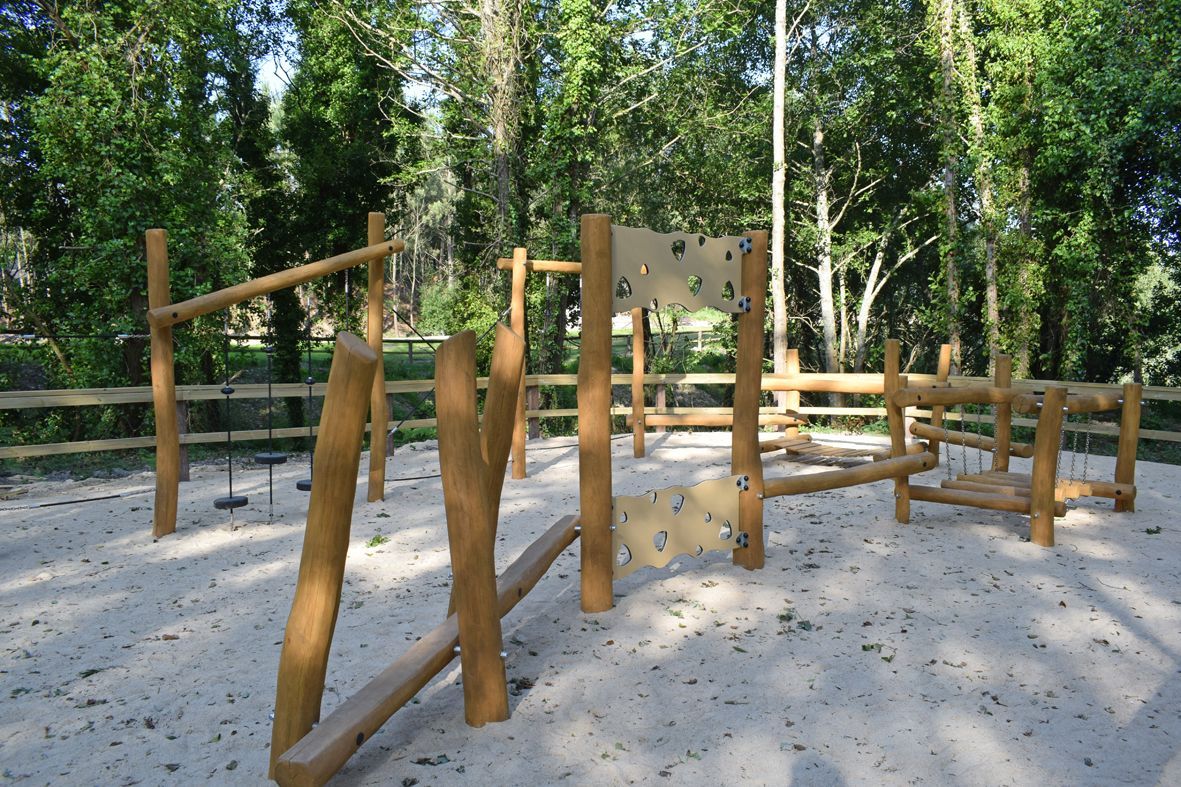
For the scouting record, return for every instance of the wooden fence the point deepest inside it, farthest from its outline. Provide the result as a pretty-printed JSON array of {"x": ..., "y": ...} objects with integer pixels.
[{"x": 21, "y": 400}]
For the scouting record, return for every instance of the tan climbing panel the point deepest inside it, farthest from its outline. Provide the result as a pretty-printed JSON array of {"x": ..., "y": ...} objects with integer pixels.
[
  {"x": 652, "y": 529},
  {"x": 652, "y": 269}
]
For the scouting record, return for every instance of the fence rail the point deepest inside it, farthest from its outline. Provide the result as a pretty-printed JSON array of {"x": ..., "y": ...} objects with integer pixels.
[{"x": 82, "y": 397}]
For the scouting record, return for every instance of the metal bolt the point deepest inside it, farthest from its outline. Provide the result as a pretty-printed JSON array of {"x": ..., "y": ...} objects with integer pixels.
[
  {"x": 455, "y": 650},
  {"x": 759, "y": 495},
  {"x": 612, "y": 528},
  {"x": 504, "y": 654},
  {"x": 578, "y": 528}
]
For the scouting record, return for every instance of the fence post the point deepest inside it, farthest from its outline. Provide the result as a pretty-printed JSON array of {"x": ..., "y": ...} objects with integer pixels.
[
  {"x": 1129, "y": 436},
  {"x": 379, "y": 416},
  {"x": 163, "y": 391},
  {"x": 182, "y": 427}
]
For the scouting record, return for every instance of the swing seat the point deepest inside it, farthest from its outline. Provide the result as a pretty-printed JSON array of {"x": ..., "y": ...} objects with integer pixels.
[
  {"x": 230, "y": 502},
  {"x": 1064, "y": 488},
  {"x": 304, "y": 484},
  {"x": 270, "y": 458}
]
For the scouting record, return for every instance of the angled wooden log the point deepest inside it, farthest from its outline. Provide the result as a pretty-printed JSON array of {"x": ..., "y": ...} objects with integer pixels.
[
  {"x": 869, "y": 472},
  {"x": 893, "y": 384},
  {"x": 942, "y": 371},
  {"x": 163, "y": 391},
  {"x": 517, "y": 322},
  {"x": 470, "y": 528},
  {"x": 306, "y": 640}
]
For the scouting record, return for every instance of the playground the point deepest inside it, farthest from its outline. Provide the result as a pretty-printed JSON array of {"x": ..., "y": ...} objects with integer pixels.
[{"x": 946, "y": 650}]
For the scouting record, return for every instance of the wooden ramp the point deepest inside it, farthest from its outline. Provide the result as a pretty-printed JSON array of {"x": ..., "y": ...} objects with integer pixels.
[{"x": 801, "y": 449}]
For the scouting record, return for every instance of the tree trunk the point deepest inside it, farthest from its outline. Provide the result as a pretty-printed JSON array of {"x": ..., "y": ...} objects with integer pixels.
[
  {"x": 828, "y": 319},
  {"x": 500, "y": 26},
  {"x": 778, "y": 212}
]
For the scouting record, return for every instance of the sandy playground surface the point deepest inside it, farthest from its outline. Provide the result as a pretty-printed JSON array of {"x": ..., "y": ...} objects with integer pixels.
[{"x": 947, "y": 651}]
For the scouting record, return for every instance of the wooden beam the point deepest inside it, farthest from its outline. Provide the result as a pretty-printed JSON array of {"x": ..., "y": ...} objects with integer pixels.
[
  {"x": 163, "y": 392},
  {"x": 324, "y": 750},
  {"x": 594, "y": 414},
  {"x": 303, "y": 661},
  {"x": 987, "y": 488},
  {"x": 1042, "y": 480},
  {"x": 990, "y": 501},
  {"x": 745, "y": 458},
  {"x": 792, "y": 400},
  {"x": 978, "y": 394},
  {"x": 541, "y": 266},
  {"x": 379, "y": 415},
  {"x": 1003, "y": 425},
  {"x": 823, "y": 383},
  {"x": 517, "y": 322},
  {"x": 893, "y": 382},
  {"x": 853, "y": 476},
  {"x": 1129, "y": 439},
  {"x": 637, "y": 419},
  {"x": 471, "y": 525},
  {"x": 163, "y": 316},
  {"x": 971, "y": 440},
  {"x": 942, "y": 371}
]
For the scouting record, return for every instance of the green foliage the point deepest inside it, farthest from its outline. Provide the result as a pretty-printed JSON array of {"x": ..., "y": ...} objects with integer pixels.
[{"x": 452, "y": 307}]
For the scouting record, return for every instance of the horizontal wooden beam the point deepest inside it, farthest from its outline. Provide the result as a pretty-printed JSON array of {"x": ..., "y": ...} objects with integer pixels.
[
  {"x": 542, "y": 266},
  {"x": 853, "y": 476},
  {"x": 983, "y": 442},
  {"x": 184, "y": 311},
  {"x": 324, "y": 750},
  {"x": 944, "y": 397},
  {"x": 824, "y": 383},
  {"x": 986, "y": 500},
  {"x": 1088, "y": 403}
]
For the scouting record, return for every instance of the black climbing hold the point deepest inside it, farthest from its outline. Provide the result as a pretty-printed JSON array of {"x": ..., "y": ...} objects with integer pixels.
[{"x": 227, "y": 390}]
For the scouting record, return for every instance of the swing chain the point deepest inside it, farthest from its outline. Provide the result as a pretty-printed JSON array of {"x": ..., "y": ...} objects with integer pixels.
[
  {"x": 946, "y": 445},
  {"x": 963, "y": 442},
  {"x": 1087, "y": 448},
  {"x": 1073, "y": 448}
]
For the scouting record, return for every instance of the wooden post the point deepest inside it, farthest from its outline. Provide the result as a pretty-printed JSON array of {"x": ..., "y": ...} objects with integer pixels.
[
  {"x": 379, "y": 416},
  {"x": 1044, "y": 477},
  {"x": 745, "y": 458},
  {"x": 182, "y": 427},
  {"x": 1003, "y": 426},
  {"x": 895, "y": 415},
  {"x": 661, "y": 404},
  {"x": 517, "y": 321},
  {"x": 303, "y": 661},
  {"x": 163, "y": 391},
  {"x": 1129, "y": 438},
  {"x": 533, "y": 402},
  {"x": 792, "y": 400},
  {"x": 594, "y": 414},
  {"x": 471, "y": 523},
  {"x": 638, "y": 382},
  {"x": 942, "y": 372}
]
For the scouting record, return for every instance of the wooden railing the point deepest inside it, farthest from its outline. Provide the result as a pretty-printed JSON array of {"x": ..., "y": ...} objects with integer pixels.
[{"x": 84, "y": 397}]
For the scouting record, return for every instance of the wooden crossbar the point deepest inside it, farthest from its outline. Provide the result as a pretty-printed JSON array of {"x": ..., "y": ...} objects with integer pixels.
[
  {"x": 837, "y": 479},
  {"x": 954, "y": 437}
]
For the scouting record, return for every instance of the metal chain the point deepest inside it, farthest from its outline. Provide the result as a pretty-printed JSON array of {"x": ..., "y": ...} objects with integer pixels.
[
  {"x": 946, "y": 444},
  {"x": 979, "y": 437},
  {"x": 1087, "y": 448},
  {"x": 1073, "y": 446},
  {"x": 963, "y": 442}
]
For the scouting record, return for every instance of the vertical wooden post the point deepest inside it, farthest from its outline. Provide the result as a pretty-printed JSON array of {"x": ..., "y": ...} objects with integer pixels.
[
  {"x": 470, "y": 530},
  {"x": 378, "y": 415},
  {"x": 792, "y": 400},
  {"x": 182, "y": 427},
  {"x": 533, "y": 402},
  {"x": 1129, "y": 438},
  {"x": 517, "y": 321},
  {"x": 942, "y": 372},
  {"x": 638, "y": 382},
  {"x": 745, "y": 458},
  {"x": 895, "y": 415},
  {"x": 1044, "y": 477},
  {"x": 1003, "y": 426},
  {"x": 661, "y": 404},
  {"x": 303, "y": 661},
  {"x": 163, "y": 391},
  {"x": 594, "y": 414}
]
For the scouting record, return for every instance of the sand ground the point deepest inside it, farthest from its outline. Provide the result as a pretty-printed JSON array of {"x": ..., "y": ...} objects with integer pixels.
[{"x": 947, "y": 651}]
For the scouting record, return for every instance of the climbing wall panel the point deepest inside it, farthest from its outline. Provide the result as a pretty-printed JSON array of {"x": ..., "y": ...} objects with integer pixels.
[{"x": 652, "y": 269}]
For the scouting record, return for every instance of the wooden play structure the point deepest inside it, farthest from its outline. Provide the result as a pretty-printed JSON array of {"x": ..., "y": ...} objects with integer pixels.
[
  {"x": 163, "y": 314},
  {"x": 1042, "y": 493},
  {"x": 621, "y": 534}
]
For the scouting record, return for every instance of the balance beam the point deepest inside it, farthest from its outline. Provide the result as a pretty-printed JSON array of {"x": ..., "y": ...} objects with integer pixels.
[
  {"x": 324, "y": 750},
  {"x": 955, "y": 437},
  {"x": 994, "y": 502},
  {"x": 854, "y": 476}
]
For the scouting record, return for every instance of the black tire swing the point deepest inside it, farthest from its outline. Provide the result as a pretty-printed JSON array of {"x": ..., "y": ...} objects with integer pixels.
[
  {"x": 230, "y": 501},
  {"x": 270, "y": 457}
]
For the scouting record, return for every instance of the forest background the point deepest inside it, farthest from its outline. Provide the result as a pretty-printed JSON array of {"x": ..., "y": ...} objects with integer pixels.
[{"x": 1003, "y": 174}]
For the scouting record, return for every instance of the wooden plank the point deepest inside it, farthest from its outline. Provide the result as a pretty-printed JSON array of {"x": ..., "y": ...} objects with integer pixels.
[
  {"x": 824, "y": 383},
  {"x": 303, "y": 662},
  {"x": 1129, "y": 439},
  {"x": 163, "y": 392},
  {"x": 714, "y": 419},
  {"x": 992, "y": 502},
  {"x": 517, "y": 322},
  {"x": 594, "y": 414},
  {"x": 1042, "y": 479},
  {"x": 379, "y": 416},
  {"x": 323, "y": 751},
  {"x": 987, "y": 488},
  {"x": 745, "y": 458},
  {"x": 1001, "y": 478},
  {"x": 540, "y": 266},
  {"x": 471, "y": 528},
  {"x": 853, "y": 476},
  {"x": 785, "y": 442},
  {"x": 184, "y": 311},
  {"x": 638, "y": 363}
]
